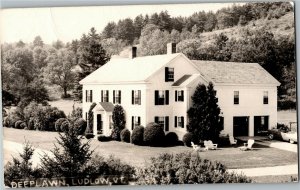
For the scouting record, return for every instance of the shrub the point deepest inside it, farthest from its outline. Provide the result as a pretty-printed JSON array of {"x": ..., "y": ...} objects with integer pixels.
[
  {"x": 187, "y": 139},
  {"x": 6, "y": 122},
  {"x": 89, "y": 135},
  {"x": 23, "y": 125},
  {"x": 110, "y": 167},
  {"x": 65, "y": 126},
  {"x": 30, "y": 125},
  {"x": 58, "y": 124},
  {"x": 80, "y": 126},
  {"x": 76, "y": 113},
  {"x": 154, "y": 135},
  {"x": 104, "y": 138},
  {"x": 186, "y": 168},
  {"x": 18, "y": 123},
  {"x": 171, "y": 139},
  {"x": 137, "y": 136},
  {"x": 125, "y": 135}
]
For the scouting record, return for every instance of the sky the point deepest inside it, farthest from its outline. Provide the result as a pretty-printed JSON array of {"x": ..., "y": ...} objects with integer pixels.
[{"x": 69, "y": 23}]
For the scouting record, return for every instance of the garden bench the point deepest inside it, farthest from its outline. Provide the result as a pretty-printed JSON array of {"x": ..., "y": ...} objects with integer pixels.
[
  {"x": 248, "y": 145},
  {"x": 209, "y": 145}
]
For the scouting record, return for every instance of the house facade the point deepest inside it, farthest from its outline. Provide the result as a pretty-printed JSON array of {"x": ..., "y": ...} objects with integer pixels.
[{"x": 159, "y": 89}]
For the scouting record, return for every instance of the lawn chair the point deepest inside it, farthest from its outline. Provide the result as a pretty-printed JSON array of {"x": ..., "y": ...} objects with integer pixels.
[
  {"x": 248, "y": 145},
  {"x": 196, "y": 147},
  {"x": 209, "y": 145},
  {"x": 232, "y": 140}
]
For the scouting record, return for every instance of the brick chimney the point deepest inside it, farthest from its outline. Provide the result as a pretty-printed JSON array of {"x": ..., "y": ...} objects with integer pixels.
[
  {"x": 171, "y": 48},
  {"x": 133, "y": 52}
]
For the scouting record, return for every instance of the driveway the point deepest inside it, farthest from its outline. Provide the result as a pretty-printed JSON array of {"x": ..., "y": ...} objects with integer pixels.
[{"x": 280, "y": 145}]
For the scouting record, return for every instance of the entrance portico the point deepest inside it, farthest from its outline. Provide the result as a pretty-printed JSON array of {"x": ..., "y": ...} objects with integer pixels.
[{"x": 102, "y": 119}]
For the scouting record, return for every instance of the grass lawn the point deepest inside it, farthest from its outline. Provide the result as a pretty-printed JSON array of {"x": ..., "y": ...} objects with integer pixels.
[
  {"x": 65, "y": 105},
  {"x": 274, "y": 179},
  {"x": 232, "y": 157}
]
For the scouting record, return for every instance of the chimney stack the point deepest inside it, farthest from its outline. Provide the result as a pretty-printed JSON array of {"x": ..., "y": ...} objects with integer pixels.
[
  {"x": 133, "y": 52},
  {"x": 171, "y": 48}
]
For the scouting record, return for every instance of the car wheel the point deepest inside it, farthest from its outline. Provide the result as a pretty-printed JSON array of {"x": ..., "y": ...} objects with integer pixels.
[
  {"x": 292, "y": 142},
  {"x": 271, "y": 136}
]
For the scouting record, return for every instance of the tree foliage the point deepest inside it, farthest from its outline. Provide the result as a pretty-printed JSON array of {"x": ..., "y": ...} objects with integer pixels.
[
  {"x": 204, "y": 120},
  {"x": 119, "y": 122}
]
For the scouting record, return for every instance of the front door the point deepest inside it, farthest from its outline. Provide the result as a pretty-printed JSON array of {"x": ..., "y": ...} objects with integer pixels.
[
  {"x": 240, "y": 126},
  {"x": 99, "y": 124}
]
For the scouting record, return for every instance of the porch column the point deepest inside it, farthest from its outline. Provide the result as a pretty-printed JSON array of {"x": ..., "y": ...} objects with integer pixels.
[
  {"x": 95, "y": 125},
  {"x": 251, "y": 126}
]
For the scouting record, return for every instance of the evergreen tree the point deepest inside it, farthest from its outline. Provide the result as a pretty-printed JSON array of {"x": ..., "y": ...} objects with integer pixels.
[
  {"x": 119, "y": 121},
  {"x": 204, "y": 121},
  {"x": 69, "y": 158}
]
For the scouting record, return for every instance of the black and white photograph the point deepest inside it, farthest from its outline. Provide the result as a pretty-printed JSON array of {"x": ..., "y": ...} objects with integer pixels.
[{"x": 157, "y": 94}]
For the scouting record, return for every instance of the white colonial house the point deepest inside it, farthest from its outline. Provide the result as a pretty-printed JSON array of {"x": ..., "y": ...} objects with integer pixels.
[{"x": 159, "y": 89}]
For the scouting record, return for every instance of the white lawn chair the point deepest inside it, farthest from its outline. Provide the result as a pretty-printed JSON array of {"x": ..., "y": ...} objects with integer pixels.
[
  {"x": 209, "y": 145},
  {"x": 232, "y": 140},
  {"x": 196, "y": 147},
  {"x": 248, "y": 145}
]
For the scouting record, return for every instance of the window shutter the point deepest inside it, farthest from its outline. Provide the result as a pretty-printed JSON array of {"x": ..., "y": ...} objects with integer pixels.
[
  {"x": 119, "y": 96},
  {"x": 175, "y": 95},
  {"x": 182, "y": 92},
  {"x": 107, "y": 95},
  {"x": 167, "y": 97},
  {"x": 140, "y": 97},
  {"x": 156, "y": 97},
  {"x": 156, "y": 119},
  {"x": 167, "y": 123},
  {"x": 132, "y": 99},
  {"x": 132, "y": 122},
  {"x": 175, "y": 121},
  {"x": 139, "y": 120},
  {"x": 114, "y": 97},
  {"x": 91, "y": 97},
  {"x": 182, "y": 119},
  {"x": 86, "y": 96},
  {"x": 101, "y": 95},
  {"x": 166, "y": 74}
]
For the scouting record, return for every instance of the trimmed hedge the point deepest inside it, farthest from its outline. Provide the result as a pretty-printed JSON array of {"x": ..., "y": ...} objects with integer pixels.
[
  {"x": 18, "y": 123},
  {"x": 65, "y": 126},
  {"x": 154, "y": 135},
  {"x": 89, "y": 135},
  {"x": 125, "y": 135},
  {"x": 137, "y": 136},
  {"x": 80, "y": 126},
  {"x": 103, "y": 138},
  {"x": 23, "y": 125},
  {"x": 171, "y": 139},
  {"x": 58, "y": 124},
  {"x": 187, "y": 139}
]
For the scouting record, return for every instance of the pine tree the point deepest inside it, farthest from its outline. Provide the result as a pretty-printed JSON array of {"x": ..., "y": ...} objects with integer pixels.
[
  {"x": 204, "y": 121},
  {"x": 69, "y": 158},
  {"x": 119, "y": 121}
]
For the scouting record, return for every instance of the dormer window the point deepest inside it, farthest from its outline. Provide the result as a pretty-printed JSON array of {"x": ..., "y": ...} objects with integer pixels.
[{"x": 169, "y": 74}]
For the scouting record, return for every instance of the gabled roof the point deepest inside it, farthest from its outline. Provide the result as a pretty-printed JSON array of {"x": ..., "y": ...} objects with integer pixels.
[
  {"x": 235, "y": 73},
  {"x": 106, "y": 106},
  {"x": 128, "y": 70}
]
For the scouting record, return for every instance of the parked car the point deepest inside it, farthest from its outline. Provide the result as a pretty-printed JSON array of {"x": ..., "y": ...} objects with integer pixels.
[{"x": 278, "y": 134}]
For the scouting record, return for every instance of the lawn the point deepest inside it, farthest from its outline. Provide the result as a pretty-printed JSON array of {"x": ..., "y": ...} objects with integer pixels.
[
  {"x": 232, "y": 157},
  {"x": 65, "y": 105}
]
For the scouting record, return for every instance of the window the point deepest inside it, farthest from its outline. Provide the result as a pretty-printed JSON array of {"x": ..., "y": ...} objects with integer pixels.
[
  {"x": 179, "y": 122},
  {"x": 266, "y": 97},
  {"x": 162, "y": 121},
  {"x": 236, "y": 98},
  {"x": 136, "y": 97},
  {"x": 169, "y": 74},
  {"x": 161, "y": 97},
  {"x": 135, "y": 121},
  {"x": 104, "y": 96},
  {"x": 117, "y": 96},
  {"x": 179, "y": 95},
  {"x": 89, "y": 96}
]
